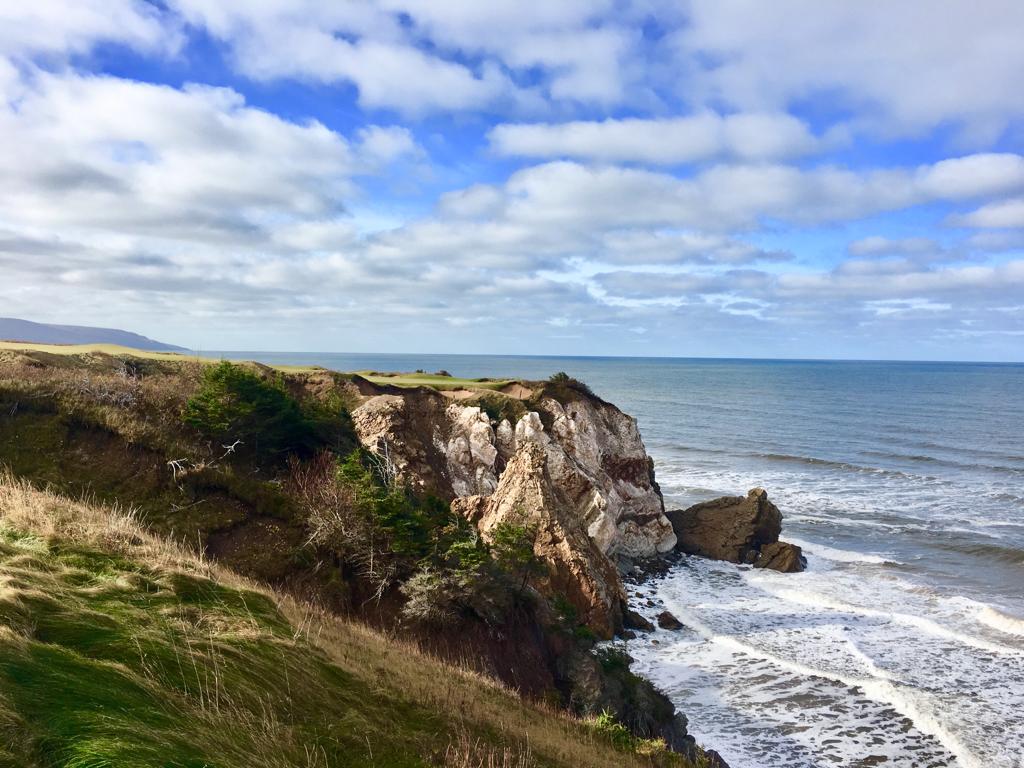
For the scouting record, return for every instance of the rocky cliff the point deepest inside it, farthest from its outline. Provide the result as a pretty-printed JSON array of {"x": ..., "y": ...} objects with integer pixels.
[
  {"x": 567, "y": 463},
  {"x": 594, "y": 455},
  {"x": 578, "y": 570}
]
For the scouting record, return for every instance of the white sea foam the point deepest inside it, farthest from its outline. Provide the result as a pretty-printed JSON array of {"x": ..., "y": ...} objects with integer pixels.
[
  {"x": 831, "y": 666},
  {"x": 1011, "y": 625},
  {"x": 937, "y": 623},
  {"x": 840, "y": 555}
]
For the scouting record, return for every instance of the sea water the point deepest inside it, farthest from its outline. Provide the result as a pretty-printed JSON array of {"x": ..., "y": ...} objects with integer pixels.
[{"x": 902, "y": 644}]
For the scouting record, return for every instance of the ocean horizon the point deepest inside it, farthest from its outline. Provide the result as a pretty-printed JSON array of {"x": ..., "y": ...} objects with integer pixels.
[{"x": 249, "y": 353}]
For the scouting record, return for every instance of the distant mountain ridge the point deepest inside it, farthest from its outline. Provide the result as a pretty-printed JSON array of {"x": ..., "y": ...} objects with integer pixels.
[{"x": 13, "y": 329}]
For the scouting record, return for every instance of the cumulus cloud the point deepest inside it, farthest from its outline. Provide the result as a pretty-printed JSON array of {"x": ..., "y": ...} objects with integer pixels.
[
  {"x": 412, "y": 56},
  {"x": 1005, "y": 213},
  {"x": 200, "y": 206},
  {"x": 896, "y": 68},
  {"x": 886, "y": 246},
  {"x": 742, "y": 196},
  {"x": 660, "y": 141},
  {"x": 196, "y": 163},
  {"x": 64, "y": 27},
  {"x": 1005, "y": 279}
]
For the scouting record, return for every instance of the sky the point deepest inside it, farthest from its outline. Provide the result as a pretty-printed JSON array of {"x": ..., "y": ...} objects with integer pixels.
[{"x": 725, "y": 178}]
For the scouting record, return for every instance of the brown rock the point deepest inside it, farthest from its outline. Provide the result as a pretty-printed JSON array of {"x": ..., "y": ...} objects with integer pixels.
[
  {"x": 732, "y": 528},
  {"x": 667, "y": 621},
  {"x": 633, "y": 620},
  {"x": 781, "y": 556},
  {"x": 577, "y": 568},
  {"x": 404, "y": 430},
  {"x": 472, "y": 508}
]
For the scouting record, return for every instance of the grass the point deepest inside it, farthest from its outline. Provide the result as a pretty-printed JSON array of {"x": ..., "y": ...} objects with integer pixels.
[
  {"x": 118, "y": 648},
  {"x": 92, "y": 349},
  {"x": 433, "y": 380},
  {"x": 377, "y": 377}
]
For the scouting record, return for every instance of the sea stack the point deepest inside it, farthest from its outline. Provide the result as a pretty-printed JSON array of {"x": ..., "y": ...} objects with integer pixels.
[{"x": 738, "y": 529}]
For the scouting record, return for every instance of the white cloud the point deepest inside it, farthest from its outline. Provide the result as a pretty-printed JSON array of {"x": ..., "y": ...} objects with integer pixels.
[
  {"x": 379, "y": 47},
  {"x": 480, "y": 201},
  {"x": 898, "y": 67},
  {"x": 905, "y": 306},
  {"x": 355, "y": 42},
  {"x": 74, "y": 26},
  {"x": 192, "y": 204},
  {"x": 385, "y": 144},
  {"x": 1005, "y": 214},
  {"x": 100, "y": 153},
  {"x": 583, "y": 50},
  {"x": 742, "y": 196},
  {"x": 885, "y": 246},
  {"x": 953, "y": 282},
  {"x": 664, "y": 141}
]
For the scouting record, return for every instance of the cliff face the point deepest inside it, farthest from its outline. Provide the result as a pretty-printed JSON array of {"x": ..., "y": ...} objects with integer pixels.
[
  {"x": 574, "y": 467},
  {"x": 594, "y": 455},
  {"x": 577, "y": 568}
]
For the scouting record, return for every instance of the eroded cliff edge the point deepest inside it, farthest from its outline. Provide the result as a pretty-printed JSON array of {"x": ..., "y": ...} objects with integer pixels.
[
  {"x": 572, "y": 468},
  {"x": 553, "y": 456}
]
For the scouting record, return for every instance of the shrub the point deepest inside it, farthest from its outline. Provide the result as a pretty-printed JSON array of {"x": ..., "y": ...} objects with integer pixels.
[
  {"x": 384, "y": 535},
  {"x": 613, "y": 659},
  {"x": 235, "y": 404},
  {"x": 470, "y": 579},
  {"x": 376, "y": 530},
  {"x": 460, "y": 580},
  {"x": 500, "y": 407},
  {"x": 611, "y": 729},
  {"x": 512, "y": 549},
  {"x": 563, "y": 381}
]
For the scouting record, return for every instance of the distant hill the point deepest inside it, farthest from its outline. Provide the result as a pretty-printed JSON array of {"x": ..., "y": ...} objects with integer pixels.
[{"x": 12, "y": 329}]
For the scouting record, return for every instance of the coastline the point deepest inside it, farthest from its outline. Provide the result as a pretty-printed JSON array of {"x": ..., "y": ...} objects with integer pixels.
[{"x": 902, "y": 589}]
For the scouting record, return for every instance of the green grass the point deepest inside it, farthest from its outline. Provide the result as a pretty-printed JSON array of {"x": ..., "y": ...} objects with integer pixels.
[
  {"x": 109, "y": 662},
  {"x": 119, "y": 649},
  {"x": 433, "y": 380},
  {"x": 394, "y": 379}
]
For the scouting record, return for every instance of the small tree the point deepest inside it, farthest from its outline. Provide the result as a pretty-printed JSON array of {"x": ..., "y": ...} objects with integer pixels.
[
  {"x": 564, "y": 381},
  {"x": 512, "y": 547},
  {"x": 235, "y": 404}
]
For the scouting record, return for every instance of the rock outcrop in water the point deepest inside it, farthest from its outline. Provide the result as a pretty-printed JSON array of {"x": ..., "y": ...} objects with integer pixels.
[
  {"x": 781, "y": 556},
  {"x": 739, "y": 529}
]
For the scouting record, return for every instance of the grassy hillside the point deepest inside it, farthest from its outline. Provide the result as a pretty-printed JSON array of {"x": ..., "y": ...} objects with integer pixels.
[
  {"x": 120, "y": 649},
  {"x": 89, "y": 349},
  {"x": 416, "y": 379}
]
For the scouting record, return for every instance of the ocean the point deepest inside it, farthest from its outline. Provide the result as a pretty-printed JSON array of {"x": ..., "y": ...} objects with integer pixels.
[{"x": 902, "y": 644}]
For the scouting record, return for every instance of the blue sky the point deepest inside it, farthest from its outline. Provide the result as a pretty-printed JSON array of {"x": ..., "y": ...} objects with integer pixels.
[{"x": 702, "y": 178}]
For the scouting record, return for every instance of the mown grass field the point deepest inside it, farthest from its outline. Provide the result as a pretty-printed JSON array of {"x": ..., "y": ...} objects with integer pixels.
[
  {"x": 433, "y": 380},
  {"x": 121, "y": 649}
]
